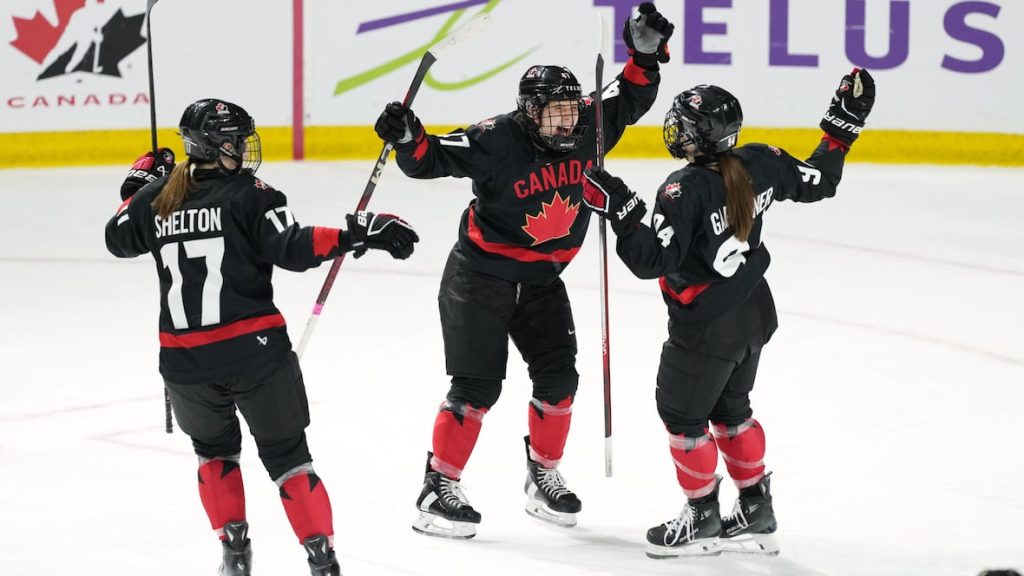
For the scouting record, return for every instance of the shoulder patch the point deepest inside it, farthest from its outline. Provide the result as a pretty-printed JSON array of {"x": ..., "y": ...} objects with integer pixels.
[
  {"x": 486, "y": 124},
  {"x": 775, "y": 150},
  {"x": 260, "y": 184},
  {"x": 673, "y": 191}
]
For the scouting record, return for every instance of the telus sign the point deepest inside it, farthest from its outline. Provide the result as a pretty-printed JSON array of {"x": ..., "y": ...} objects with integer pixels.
[{"x": 696, "y": 25}]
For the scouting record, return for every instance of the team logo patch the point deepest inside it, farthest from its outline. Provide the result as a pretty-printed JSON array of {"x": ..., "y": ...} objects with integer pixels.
[
  {"x": 221, "y": 108},
  {"x": 673, "y": 190},
  {"x": 554, "y": 220},
  {"x": 486, "y": 124},
  {"x": 260, "y": 184},
  {"x": 775, "y": 150},
  {"x": 695, "y": 101}
]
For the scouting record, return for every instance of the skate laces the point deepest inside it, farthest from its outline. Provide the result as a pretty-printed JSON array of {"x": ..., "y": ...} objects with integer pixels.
[
  {"x": 452, "y": 493},
  {"x": 737, "y": 515},
  {"x": 552, "y": 482},
  {"x": 677, "y": 527}
]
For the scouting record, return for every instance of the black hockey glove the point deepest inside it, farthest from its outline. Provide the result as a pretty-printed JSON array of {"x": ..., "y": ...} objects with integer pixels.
[
  {"x": 610, "y": 197},
  {"x": 147, "y": 168},
  {"x": 397, "y": 124},
  {"x": 369, "y": 231},
  {"x": 646, "y": 37},
  {"x": 850, "y": 106}
]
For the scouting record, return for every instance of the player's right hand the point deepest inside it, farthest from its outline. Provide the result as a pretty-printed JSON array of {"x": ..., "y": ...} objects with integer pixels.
[
  {"x": 367, "y": 230},
  {"x": 850, "y": 106},
  {"x": 397, "y": 124},
  {"x": 147, "y": 168}
]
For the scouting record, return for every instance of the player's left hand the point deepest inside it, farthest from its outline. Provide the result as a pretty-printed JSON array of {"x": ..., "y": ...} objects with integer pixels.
[
  {"x": 646, "y": 36},
  {"x": 609, "y": 196},
  {"x": 147, "y": 168}
]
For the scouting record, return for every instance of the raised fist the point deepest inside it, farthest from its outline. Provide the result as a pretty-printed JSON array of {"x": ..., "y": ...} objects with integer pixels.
[
  {"x": 147, "y": 168},
  {"x": 646, "y": 36},
  {"x": 367, "y": 230},
  {"x": 850, "y": 106},
  {"x": 397, "y": 124}
]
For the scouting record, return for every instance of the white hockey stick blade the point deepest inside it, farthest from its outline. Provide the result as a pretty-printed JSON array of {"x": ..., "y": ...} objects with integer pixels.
[{"x": 473, "y": 27}]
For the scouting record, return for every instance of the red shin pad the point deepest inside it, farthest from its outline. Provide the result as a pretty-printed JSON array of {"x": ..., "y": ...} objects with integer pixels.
[
  {"x": 742, "y": 448},
  {"x": 695, "y": 460},
  {"x": 307, "y": 506},
  {"x": 456, "y": 429},
  {"x": 222, "y": 493},
  {"x": 549, "y": 427}
]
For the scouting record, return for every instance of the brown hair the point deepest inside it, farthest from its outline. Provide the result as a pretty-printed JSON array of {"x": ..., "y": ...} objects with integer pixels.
[
  {"x": 178, "y": 186},
  {"x": 739, "y": 195}
]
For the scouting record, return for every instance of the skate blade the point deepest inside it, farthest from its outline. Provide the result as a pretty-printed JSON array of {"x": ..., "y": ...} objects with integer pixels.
[
  {"x": 434, "y": 525},
  {"x": 540, "y": 511},
  {"x": 751, "y": 544},
  {"x": 708, "y": 547}
]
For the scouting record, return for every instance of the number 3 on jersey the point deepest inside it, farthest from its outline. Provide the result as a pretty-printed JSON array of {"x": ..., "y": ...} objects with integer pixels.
[{"x": 212, "y": 250}]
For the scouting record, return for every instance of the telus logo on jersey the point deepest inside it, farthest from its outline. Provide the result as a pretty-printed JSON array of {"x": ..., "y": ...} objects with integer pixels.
[{"x": 89, "y": 37}]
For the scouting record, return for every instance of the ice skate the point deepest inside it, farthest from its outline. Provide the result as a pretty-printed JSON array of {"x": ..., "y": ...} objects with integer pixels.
[
  {"x": 237, "y": 550},
  {"x": 695, "y": 532},
  {"x": 750, "y": 529},
  {"x": 547, "y": 498},
  {"x": 444, "y": 509},
  {"x": 322, "y": 561}
]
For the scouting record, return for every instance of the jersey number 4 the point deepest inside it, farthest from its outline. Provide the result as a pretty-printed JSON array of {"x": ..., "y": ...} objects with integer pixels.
[{"x": 211, "y": 249}]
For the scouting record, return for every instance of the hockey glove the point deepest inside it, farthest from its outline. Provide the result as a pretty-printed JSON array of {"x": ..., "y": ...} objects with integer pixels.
[
  {"x": 646, "y": 37},
  {"x": 397, "y": 124},
  {"x": 610, "y": 197},
  {"x": 369, "y": 231},
  {"x": 850, "y": 107},
  {"x": 147, "y": 168}
]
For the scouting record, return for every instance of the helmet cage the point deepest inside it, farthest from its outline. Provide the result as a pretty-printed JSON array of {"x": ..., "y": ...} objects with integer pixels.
[{"x": 542, "y": 85}]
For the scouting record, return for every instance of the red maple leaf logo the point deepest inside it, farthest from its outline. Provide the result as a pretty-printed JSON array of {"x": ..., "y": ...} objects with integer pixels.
[
  {"x": 554, "y": 223},
  {"x": 37, "y": 37}
]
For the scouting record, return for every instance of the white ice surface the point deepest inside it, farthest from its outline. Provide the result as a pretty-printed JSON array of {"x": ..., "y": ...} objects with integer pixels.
[{"x": 891, "y": 394}]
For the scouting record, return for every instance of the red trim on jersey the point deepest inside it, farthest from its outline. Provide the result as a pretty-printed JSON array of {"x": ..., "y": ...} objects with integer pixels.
[
  {"x": 635, "y": 74},
  {"x": 124, "y": 205},
  {"x": 324, "y": 240},
  {"x": 833, "y": 143},
  {"x": 563, "y": 256},
  {"x": 422, "y": 143},
  {"x": 221, "y": 333},
  {"x": 688, "y": 295}
]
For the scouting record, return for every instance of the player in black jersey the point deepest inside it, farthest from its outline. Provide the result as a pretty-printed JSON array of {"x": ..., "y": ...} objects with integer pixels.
[
  {"x": 524, "y": 226},
  {"x": 216, "y": 231},
  {"x": 704, "y": 246}
]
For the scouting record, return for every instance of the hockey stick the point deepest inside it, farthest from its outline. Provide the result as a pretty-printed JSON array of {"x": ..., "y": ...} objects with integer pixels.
[
  {"x": 444, "y": 45},
  {"x": 603, "y": 235},
  {"x": 168, "y": 424}
]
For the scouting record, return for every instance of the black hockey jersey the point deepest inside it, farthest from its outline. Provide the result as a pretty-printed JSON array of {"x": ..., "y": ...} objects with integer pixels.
[
  {"x": 215, "y": 257},
  {"x": 703, "y": 268},
  {"x": 527, "y": 220}
]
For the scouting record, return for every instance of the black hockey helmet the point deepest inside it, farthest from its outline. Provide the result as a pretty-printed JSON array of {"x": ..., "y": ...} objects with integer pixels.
[
  {"x": 213, "y": 128},
  {"x": 541, "y": 85},
  {"x": 706, "y": 116}
]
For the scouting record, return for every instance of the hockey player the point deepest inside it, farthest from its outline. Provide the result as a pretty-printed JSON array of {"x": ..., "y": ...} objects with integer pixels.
[
  {"x": 704, "y": 246},
  {"x": 524, "y": 226},
  {"x": 216, "y": 232}
]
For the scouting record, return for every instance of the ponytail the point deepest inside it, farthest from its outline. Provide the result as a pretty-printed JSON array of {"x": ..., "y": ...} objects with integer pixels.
[
  {"x": 179, "y": 184},
  {"x": 739, "y": 195}
]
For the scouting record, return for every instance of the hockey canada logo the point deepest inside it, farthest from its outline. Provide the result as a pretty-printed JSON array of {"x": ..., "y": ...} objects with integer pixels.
[
  {"x": 90, "y": 36},
  {"x": 695, "y": 101}
]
